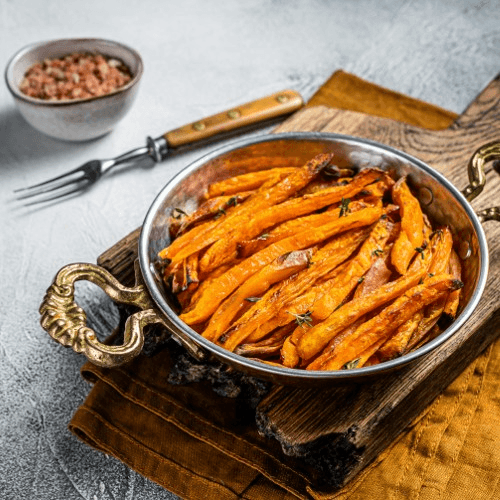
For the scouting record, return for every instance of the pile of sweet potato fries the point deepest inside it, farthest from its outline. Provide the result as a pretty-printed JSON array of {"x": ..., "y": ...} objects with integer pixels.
[{"x": 313, "y": 267}]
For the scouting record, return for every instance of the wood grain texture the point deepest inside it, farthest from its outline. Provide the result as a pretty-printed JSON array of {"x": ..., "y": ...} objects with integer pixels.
[
  {"x": 337, "y": 432},
  {"x": 251, "y": 113}
]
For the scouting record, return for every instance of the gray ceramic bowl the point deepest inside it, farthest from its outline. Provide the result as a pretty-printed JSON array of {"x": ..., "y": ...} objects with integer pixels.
[{"x": 78, "y": 119}]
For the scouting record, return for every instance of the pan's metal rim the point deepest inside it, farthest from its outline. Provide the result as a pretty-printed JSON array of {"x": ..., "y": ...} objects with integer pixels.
[{"x": 292, "y": 373}]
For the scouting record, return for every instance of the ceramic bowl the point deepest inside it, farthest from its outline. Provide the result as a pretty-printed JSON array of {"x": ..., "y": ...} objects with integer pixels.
[{"x": 76, "y": 119}]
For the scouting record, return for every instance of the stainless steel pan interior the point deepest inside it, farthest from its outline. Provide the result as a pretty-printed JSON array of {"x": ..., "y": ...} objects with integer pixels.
[
  {"x": 442, "y": 201},
  {"x": 65, "y": 321}
]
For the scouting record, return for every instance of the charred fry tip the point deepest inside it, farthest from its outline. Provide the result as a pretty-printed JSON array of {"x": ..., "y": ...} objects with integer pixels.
[
  {"x": 336, "y": 172},
  {"x": 457, "y": 284},
  {"x": 445, "y": 320},
  {"x": 344, "y": 207},
  {"x": 223, "y": 338}
]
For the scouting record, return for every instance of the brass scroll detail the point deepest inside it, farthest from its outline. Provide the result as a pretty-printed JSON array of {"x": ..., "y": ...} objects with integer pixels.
[
  {"x": 477, "y": 178},
  {"x": 66, "y": 322}
]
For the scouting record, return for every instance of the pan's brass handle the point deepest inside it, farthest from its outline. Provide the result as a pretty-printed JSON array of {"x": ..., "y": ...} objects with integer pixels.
[
  {"x": 65, "y": 321},
  {"x": 477, "y": 178}
]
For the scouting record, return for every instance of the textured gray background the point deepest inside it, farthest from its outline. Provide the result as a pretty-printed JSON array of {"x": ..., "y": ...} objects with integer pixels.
[{"x": 200, "y": 58}]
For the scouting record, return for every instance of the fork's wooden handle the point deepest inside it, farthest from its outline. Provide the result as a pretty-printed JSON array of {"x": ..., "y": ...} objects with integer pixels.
[{"x": 273, "y": 106}]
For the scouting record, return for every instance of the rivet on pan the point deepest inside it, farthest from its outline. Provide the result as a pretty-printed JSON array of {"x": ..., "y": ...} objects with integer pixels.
[
  {"x": 198, "y": 126},
  {"x": 282, "y": 98},
  {"x": 425, "y": 195},
  {"x": 464, "y": 250},
  {"x": 234, "y": 113}
]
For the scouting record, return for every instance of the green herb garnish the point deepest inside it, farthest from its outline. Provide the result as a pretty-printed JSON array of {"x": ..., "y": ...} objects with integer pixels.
[
  {"x": 303, "y": 319},
  {"x": 220, "y": 213},
  {"x": 232, "y": 202},
  {"x": 344, "y": 207},
  {"x": 420, "y": 250}
]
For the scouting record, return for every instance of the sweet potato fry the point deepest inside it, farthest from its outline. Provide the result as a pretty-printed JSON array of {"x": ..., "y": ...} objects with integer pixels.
[
  {"x": 294, "y": 226},
  {"x": 251, "y": 350},
  {"x": 324, "y": 183},
  {"x": 224, "y": 285},
  {"x": 429, "y": 318},
  {"x": 382, "y": 325},
  {"x": 289, "y": 355},
  {"x": 412, "y": 225},
  {"x": 246, "y": 182},
  {"x": 211, "y": 208},
  {"x": 396, "y": 345},
  {"x": 364, "y": 356},
  {"x": 421, "y": 324},
  {"x": 271, "y": 311},
  {"x": 298, "y": 308},
  {"x": 305, "y": 304},
  {"x": 240, "y": 215},
  {"x": 206, "y": 279},
  {"x": 278, "y": 270},
  {"x": 354, "y": 309},
  {"x": 441, "y": 250},
  {"x": 378, "y": 275},
  {"x": 342, "y": 286},
  {"x": 268, "y": 345},
  {"x": 453, "y": 300},
  {"x": 318, "y": 337},
  {"x": 432, "y": 334},
  {"x": 402, "y": 253},
  {"x": 409, "y": 333},
  {"x": 296, "y": 207}
]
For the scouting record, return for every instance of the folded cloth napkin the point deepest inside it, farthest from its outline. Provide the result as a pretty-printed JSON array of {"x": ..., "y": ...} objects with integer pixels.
[{"x": 203, "y": 446}]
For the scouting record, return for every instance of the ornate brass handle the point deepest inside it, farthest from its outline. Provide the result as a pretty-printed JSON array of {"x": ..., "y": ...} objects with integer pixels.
[
  {"x": 65, "y": 321},
  {"x": 477, "y": 178}
]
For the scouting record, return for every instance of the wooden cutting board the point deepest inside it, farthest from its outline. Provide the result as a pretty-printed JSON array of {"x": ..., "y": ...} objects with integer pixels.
[{"x": 338, "y": 431}]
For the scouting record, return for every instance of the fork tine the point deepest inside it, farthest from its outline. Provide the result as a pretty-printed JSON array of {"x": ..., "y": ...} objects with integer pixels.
[
  {"x": 48, "y": 189},
  {"x": 49, "y": 181},
  {"x": 56, "y": 196}
]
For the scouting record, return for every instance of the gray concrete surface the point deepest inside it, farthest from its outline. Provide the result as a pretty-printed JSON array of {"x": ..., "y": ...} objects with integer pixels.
[{"x": 200, "y": 58}]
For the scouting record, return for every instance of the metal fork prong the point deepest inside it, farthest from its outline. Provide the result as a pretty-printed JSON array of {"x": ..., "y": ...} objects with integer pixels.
[
  {"x": 78, "y": 189},
  {"x": 54, "y": 179},
  {"x": 48, "y": 189}
]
